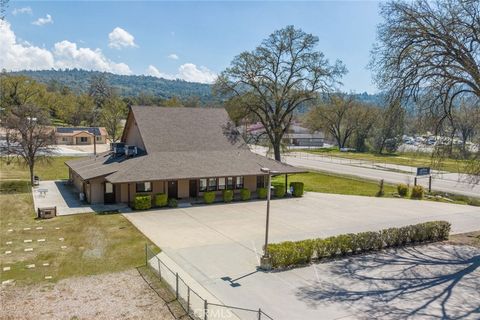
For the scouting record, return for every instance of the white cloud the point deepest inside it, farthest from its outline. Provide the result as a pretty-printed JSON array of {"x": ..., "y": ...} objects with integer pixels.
[
  {"x": 192, "y": 73},
  {"x": 68, "y": 55},
  {"x": 188, "y": 72},
  {"x": 172, "y": 56},
  {"x": 24, "y": 10},
  {"x": 154, "y": 72},
  {"x": 119, "y": 38},
  {"x": 43, "y": 21},
  {"x": 21, "y": 56},
  {"x": 65, "y": 54}
]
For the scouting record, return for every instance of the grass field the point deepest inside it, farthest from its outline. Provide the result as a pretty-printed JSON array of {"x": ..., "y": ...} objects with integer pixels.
[
  {"x": 407, "y": 159},
  {"x": 331, "y": 183},
  {"x": 53, "y": 169},
  {"x": 326, "y": 183},
  {"x": 92, "y": 243}
]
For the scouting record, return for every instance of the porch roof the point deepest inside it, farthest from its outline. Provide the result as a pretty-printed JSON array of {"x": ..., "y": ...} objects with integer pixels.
[{"x": 178, "y": 165}]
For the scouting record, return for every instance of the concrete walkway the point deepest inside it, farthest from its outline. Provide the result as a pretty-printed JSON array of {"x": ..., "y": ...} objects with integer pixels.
[
  {"x": 213, "y": 242},
  {"x": 63, "y": 196}
]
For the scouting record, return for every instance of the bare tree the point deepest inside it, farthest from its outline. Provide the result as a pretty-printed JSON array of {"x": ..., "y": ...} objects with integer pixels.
[
  {"x": 389, "y": 129},
  {"x": 466, "y": 120},
  {"x": 336, "y": 116},
  {"x": 273, "y": 80},
  {"x": 29, "y": 136},
  {"x": 429, "y": 47}
]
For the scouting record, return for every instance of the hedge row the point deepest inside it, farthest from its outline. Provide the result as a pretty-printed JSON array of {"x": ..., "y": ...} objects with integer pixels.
[
  {"x": 290, "y": 253},
  {"x": 144, "y": 201}
]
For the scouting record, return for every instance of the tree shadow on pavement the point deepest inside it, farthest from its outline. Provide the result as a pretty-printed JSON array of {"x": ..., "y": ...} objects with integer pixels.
[{"x": 432, "y": 281}]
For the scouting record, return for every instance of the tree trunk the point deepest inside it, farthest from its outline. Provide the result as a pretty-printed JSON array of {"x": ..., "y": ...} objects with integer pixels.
[
  {"x": 31, "y": 166},
  {"x": 276, "y": 151}
]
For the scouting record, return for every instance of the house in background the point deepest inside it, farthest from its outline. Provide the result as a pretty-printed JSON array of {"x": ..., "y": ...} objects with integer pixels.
[
  {"x": 182, "y": 152},
  {"x": 80, "y": 135},
  {"x": 297, "y": 136}
]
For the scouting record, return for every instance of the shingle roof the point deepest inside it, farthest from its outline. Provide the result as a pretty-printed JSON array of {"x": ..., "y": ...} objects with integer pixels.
[
  {"x": 70, "y": 130},
  {"x": 184, "y": 129},
  {"x": 181, "y": 143}
]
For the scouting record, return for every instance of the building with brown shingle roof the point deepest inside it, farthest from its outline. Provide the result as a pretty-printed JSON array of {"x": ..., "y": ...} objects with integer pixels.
[{"x": 179, "y": 151}]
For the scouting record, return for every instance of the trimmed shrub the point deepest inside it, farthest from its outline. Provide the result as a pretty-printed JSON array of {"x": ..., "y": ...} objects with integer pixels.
[
  {"x": 227, "y": 196},
  {"x": 279, "y": 191},
  {"x": 417, "y": 192},
  {"x": 262, "y": 193},
  {"x": 402, "y": 190},
  {"x": 209, "y": 197},
  {"x": 142, "y": 202},
  {"x": 172, "y": 203},
  {"x": 289, "y": 253},
  {"x": 245, "y": 194},
  {"x": 161, "y": 200},
  {"x": 297, "y": 188}
]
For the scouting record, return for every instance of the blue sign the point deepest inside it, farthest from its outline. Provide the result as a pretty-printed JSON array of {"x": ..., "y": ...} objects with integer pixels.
[{"x": 423, "y": 171}]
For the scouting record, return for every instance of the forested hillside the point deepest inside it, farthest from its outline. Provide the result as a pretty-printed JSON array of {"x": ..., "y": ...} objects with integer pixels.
[{"x": 78, "y": 81}]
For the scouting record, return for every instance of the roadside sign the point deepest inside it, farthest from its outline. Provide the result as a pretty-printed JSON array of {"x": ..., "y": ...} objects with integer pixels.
[{"x": 423, "y": 171}]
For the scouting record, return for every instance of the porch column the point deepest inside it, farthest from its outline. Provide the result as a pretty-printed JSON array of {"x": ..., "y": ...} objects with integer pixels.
[{"x": 286, "y": 183}]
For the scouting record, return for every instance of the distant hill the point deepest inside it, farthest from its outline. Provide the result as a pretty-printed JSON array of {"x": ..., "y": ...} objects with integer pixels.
[{"x": 78, "y": 80}]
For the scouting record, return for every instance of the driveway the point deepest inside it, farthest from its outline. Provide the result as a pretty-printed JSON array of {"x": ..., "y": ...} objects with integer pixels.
[{"x": 218, "y": 241}]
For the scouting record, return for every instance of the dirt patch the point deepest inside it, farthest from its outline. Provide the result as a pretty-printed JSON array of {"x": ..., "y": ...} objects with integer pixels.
[
  {"x": 470, "y": 238},
  {"x": 122, "y": 295}
]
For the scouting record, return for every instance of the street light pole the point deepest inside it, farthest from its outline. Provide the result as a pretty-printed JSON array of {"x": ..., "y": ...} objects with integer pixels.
[{"x": 265, "y": 261}]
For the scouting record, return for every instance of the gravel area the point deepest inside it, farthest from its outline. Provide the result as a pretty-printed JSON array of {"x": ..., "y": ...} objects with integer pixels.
[{"x": 122, "y": 295}]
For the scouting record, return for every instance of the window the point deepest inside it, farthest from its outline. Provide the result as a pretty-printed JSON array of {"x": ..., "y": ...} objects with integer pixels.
[
  {"x": 212, "y": 184},
  {"x": 99, "y": 138},
  {"x": 108, "y": 187},
  {"x": 261, "y": 182},
  {"x": 144, "y": 186},
  {"x": 203, "y": 185},
  {"x": 64, "y": 139},
  {"x": 221, "y": 183},
  {"x": 239, "y": 184},
  {"x": 83, "y": 139},
  {"x": 230, "y": 183}
]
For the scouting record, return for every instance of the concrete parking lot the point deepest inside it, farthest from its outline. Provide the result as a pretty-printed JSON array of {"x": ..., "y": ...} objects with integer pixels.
[{"x": 220, "y": 242}]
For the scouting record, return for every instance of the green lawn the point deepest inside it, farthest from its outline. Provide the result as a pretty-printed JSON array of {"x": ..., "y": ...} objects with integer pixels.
[
  {"x": 93, "y": 243},
  {"x": 331, "y": 183},
  {"x": 408, "y": 159},
  {"x": 326, "y": 183},
  {"x": 52, "y": 169}
]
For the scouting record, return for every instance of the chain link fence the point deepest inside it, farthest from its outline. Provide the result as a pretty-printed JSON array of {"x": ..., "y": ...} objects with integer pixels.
[{"x": 196, "y": 306}]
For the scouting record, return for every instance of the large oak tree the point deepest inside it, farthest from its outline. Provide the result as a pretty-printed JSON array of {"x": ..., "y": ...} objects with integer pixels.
[{"x": 285, "y": 71}]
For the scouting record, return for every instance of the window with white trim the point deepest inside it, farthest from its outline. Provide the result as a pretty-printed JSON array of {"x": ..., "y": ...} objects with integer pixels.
[
  {"x": 144, "y": 186},
  {"x": 239, "y": 183},
  {"x": 202, "y": 185}
]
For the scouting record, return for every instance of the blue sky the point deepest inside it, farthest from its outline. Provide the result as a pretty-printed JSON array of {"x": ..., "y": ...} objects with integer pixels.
[{"x": 189, "y": 40}]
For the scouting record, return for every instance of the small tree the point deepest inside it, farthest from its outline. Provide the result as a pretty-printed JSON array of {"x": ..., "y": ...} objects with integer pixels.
[
  {"x": 335, "y": 116},
  {"x": 29, "y": 137},
  {"x": 114, "y": 110}
]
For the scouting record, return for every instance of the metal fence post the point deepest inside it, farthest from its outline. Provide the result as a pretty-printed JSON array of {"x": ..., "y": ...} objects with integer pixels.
[
  {"x": 188, "y": 300},
  {"x": 146, "y": 255},
  {"x": 159, "y": 269},
  {"x": 205, "y": 307},
  {"x": 176, "y": 285},
  {"x": 259, "y": 314},
  {"x": 430, "y": 183}
]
